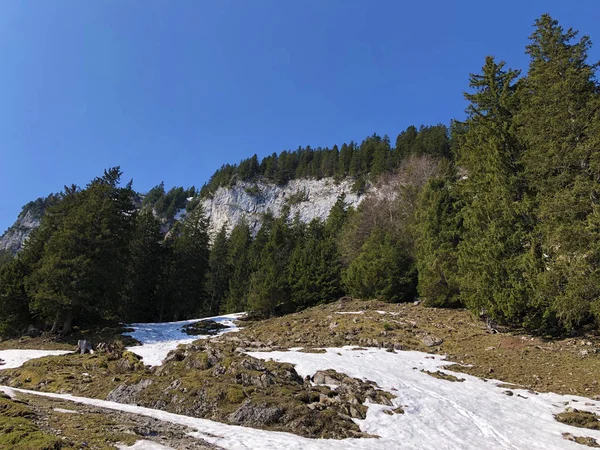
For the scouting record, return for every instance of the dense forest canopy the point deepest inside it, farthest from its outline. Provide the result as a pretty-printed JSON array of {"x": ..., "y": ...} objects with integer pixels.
[
  {"x": 374, "y": 156},
  {"x": 499, "y": 214}
]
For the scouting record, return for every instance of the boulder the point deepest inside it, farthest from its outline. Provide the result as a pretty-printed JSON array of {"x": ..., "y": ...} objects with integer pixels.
[
  {"x": 256, "y": 414},
  {"x": 325, "y": 377},
  {"x": 431, "y": 341},
  {"x": 126, "y": 393}
]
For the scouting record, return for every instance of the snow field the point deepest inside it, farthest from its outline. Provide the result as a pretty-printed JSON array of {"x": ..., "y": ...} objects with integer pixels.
[{"x": 158, "y": 339}]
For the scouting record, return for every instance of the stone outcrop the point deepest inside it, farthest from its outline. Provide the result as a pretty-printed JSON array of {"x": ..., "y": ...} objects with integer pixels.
[
  {"x": 306, "y": 198},
  {"x": 13, "y": 239}
]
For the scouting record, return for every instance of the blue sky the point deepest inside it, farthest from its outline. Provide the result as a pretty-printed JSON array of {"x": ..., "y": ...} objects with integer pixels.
[{"x": 171, "y": 90}]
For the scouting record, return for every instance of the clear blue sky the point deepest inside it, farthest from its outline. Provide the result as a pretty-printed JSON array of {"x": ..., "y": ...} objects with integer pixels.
[{"x": 171, "y": 90}]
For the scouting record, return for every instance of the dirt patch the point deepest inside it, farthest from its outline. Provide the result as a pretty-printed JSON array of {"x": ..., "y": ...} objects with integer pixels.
[
  {"x": 583, "y": 440},
  {"x": 443, "y": 376},
  {"x": 514, "y": 343},
  {"x": 579, "y": 418}
]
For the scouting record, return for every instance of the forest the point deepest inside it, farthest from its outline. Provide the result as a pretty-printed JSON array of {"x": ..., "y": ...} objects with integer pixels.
[{"x": 498, "y": 213}]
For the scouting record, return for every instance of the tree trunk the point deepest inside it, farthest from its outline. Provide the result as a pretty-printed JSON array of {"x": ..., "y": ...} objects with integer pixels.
[{"x": 68, "y": 324}]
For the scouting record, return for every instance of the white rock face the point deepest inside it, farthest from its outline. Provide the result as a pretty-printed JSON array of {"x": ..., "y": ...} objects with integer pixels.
[
  {"x": 14, "y": 238},
  {"x": 307, "y": 197}
]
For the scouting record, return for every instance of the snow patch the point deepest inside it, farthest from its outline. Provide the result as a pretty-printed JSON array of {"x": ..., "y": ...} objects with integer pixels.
[
  {"x": 144, "y": 445},
  {"x": 473, "y": 414},
  {"x": 65, "y": 411},
  {"x": 158, "y": 339},
  {"x": 16, "y": 358}
]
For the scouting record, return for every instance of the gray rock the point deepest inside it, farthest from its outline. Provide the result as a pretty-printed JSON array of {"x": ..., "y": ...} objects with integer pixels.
[
  {"x": 256, "y": 414},
  {"x": 126, "y": 393},
  {"x": 431, "y": 341},
  {"x": 322, "y": 377},
  {"x": 251, "y": 200}
]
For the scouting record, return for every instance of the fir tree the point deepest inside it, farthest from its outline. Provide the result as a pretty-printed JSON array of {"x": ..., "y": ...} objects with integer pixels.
[
  {"x": 438, "y": 231},
  {"x": 144, "y": 270},
  {"x": 559, "y": 125},
  {"x": 190, "y": 266},
  {"x": 81, "y": 271},
  {"x": 382, "y": 270},
  {"x": 240, "y": 262},
  {"x": 492, "y": 252},
  {"x": 315, "y": 270},
  {"x": 269, "y": 290},
  {"x": 219, "y": 272}
]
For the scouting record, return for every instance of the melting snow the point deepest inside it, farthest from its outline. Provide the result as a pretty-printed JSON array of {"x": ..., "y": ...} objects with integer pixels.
[
  {"x": 439, "y": 414},
  {"x": 442, "y": 414},
  {"x": 158, "y": 339},
  {"x": 65, "y": 411},
  {"x": 16, "y": 358},
  {"x": 144, "y": 445}
]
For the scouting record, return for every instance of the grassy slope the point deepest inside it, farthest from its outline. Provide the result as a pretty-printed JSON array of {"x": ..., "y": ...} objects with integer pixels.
[{"x": 565, "y": 366}]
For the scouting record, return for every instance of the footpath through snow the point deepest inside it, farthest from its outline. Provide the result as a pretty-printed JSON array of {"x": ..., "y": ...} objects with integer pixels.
[{"x": 439, "y": 414}]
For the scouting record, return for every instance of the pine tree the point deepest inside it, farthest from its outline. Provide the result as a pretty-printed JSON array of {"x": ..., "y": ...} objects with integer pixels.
[
  {"x": 492, "y": 252},
  {"x": 144, "y": 270},
  {"x": 14, "y": 301},
  {"x": 315, "y": 269},
  {"x": 241, "y": 266},
  {"x": 219, "y": 272},
  {"x": 559, "y": 125},
  {"x": 382, "y": 270},
  {"x": 438, "y": 230},
  {"x": 405, "y": 144},
  {"x": 269, "y": 290},
  {"x": 190, "y": 266},
  {"x": 80, "y": 275}
]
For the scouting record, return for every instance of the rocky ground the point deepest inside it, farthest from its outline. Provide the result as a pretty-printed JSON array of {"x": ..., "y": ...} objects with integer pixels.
[
  {"x": 563, "y": 365},
  {"x": 217, "y": 380},
  {"x": 32, "y": 422}
]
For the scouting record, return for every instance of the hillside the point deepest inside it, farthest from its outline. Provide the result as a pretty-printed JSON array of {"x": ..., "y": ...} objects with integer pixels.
[{"x": 351, "y": 369}]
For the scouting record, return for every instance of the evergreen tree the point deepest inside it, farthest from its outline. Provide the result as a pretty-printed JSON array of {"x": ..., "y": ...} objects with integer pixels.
[
  {"x": 559, "y": 125},
  {"x": 241, "y": 265},
  {"x": 269, "y": 290},
  {"x": 144, "y": 270},
  {"x": 405, "y": 143},
  {"x": 14, "y": 301},
  {"x": 190, "y": 266},
  {"x": 492, "y": 253},
  {"x": 382, "y": 270},
  {"x": 438, "y": 230},
  {"x": 219, "y": 272},
  {"x": 81, "y": 272},
  {"x": 314, "y": 273}
]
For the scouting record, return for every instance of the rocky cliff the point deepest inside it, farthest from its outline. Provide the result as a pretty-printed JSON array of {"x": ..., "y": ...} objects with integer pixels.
[
  {"x": 307, "y": 198},
  {"x": 30, "y": 217}
]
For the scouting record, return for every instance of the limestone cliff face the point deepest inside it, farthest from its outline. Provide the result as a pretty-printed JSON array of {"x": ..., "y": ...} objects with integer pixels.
[
  {"x": 14, "y": 238},
  {"x": 306, "y": 197}
]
